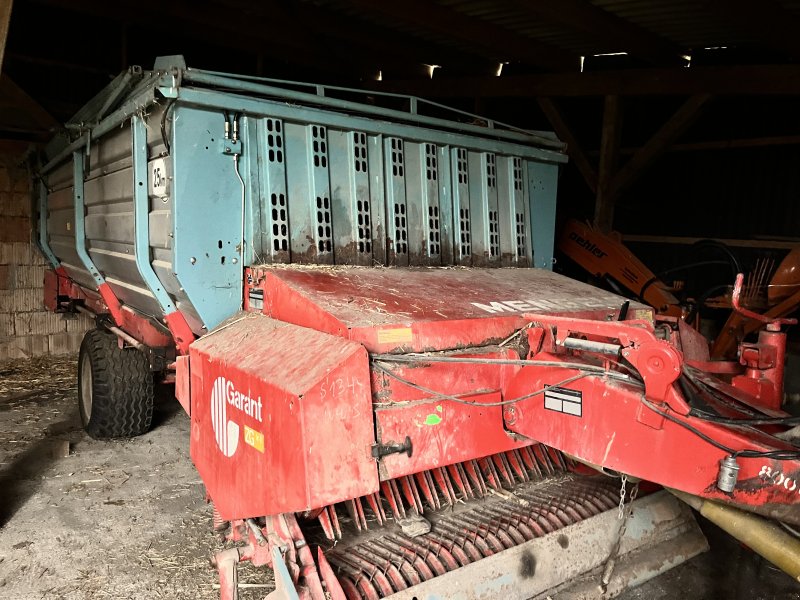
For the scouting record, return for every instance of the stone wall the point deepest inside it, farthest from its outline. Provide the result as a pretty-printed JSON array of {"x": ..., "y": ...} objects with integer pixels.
[{"x": 26, "y": 328}]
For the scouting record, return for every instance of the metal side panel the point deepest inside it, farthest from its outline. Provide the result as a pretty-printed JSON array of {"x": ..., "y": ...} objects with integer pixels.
[
  {"x": 61, "y": 234},
  {"x": 542, "y": 185},
  {"x": 207, "y": 215},
  {"x": 461, "y": 206},
  {"x": 484, "y": 216},
  {"x": 396, "y": 213},
  {"x": 266, "y": 155},
  {"x": 350, "y": 197},
  {"x": 377, "y": 198},
  {"x": 309, "y": 197}
]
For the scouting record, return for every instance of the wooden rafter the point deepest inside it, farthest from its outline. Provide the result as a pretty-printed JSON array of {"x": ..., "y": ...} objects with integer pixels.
[
  {"x": 609, "y": 31},
  {"x": 745, "y": 80},
  {"x": 496, "y": 42},
  {"x": 680, "y": 121},
  {"x": 5, "y": 19},
  {"x": 574, "y": 150}
]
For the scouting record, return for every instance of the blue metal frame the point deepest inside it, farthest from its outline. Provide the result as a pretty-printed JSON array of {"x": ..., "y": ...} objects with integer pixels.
[
  {"x": 44, "y": 244},
  {"x": 141, "y": 216},
  {"x": 250, "y": 85},
  {"x": 543, "y": 186},
  {"x": 80, "y": 218},
  {"x": 215, "y": 100}
]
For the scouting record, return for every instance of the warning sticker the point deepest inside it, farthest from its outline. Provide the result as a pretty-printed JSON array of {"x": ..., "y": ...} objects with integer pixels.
[
  {"x": 254, "y": 438},
  {"x": 565, "y": 401},
  {"x": 397, "y": 335}
]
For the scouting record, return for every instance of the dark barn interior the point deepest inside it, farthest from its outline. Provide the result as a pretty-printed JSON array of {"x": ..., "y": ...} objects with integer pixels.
[{"x": 679, "y": 119}]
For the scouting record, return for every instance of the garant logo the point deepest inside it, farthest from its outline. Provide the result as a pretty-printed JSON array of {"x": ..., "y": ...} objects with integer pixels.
[{"x": 226, "y": 432}]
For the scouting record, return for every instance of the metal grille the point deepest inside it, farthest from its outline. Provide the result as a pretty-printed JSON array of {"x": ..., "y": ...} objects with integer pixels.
[
  {"x": 520, "y": 235},
  {"x": 397, "y": 157},
  {"x": 431, "y": 164},
  {"x": 320, "y": 146},
  {"x": 472, "y": 514},
  {"x": 494, "y": 234},
  {"x": 275, "y": 140},
  {"x": 461, "y": 162},
  {"x": 517, "y": 167},
  {"x": 433, "y": 227},
  {"x": 364, "y": 231},
  {"x": 491, "y": 171},
  {"x": 280, "y": 229},
  {"x": 463, "y": 225},
  {"x": 400, "y": 221},
  {"x": 360, "y": 151},
  {"x": 324, "y": 243},
  {"x": 400, "y": 229}
]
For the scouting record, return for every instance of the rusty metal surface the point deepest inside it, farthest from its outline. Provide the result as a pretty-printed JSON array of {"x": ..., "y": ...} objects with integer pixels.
[{"x": 424, "y": 308}]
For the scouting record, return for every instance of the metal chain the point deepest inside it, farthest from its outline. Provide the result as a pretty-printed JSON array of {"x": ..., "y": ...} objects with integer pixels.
[
  {"x": 623, "y": 515},
  {"x": 622, "y": 491}
]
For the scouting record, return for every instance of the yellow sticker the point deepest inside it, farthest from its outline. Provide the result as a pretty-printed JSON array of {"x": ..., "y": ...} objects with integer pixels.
[
  {"x": 644, "y": 314},
  {"x": 395, "y": 336},
  {"x": 254, "y": 438}
]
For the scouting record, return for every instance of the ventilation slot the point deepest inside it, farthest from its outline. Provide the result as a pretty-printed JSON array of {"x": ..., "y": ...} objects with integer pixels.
[
  {"x": 463, "y": 223},
  {"x": 280, "y": 229},
  {"x": 400, "y": 230},
  {"x": 433, "y": 227},
  {"x": 461, "y": 162},
  {"x": 274, "y": 141},
  {"x": 320, "y": 146},
  {"x": 520, "y": 235},
  {"x": 494, "y": 235},
  {"x": 430, "y": 162},
  {"x": 517, "y": 162},
  {"x": 491, "y": 171},
  {"x": 397, "y": 157},
  {"x": 360, "y": 152},
  {"x": 324, "y": 244},
  {"x": 364, "y": 233}
]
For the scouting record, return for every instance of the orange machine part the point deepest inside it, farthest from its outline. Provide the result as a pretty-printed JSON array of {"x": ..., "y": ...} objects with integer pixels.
[{"x": 604, "y": 256}]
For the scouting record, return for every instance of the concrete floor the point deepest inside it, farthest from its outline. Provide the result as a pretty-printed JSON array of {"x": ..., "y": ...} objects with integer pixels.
[{"x": 128, "y": 519}]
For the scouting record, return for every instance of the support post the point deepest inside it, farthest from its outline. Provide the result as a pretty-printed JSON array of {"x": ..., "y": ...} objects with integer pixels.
[{"x": 609, "y": 156}]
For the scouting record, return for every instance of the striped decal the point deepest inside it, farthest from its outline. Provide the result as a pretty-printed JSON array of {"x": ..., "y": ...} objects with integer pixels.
[{"x": 219, "y": 419}]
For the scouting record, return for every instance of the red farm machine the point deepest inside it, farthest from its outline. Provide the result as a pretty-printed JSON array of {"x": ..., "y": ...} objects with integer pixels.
[{"x": 390, "y": 393}]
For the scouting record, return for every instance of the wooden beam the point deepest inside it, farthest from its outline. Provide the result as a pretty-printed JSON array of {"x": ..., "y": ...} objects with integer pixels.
[
  {"x": 773, "y": 25},
  {"x": 734, "y": 144},
  {"x": 574, "y": 150},
  {"x": 610, "y": 32},
  {"x": 609, "y": 157},
  {"x": 5, "y": 19},
  {"x": 738, "y": 80},
  {"x": 661, "y": 140},
  {"x": 497, "y": 43}
]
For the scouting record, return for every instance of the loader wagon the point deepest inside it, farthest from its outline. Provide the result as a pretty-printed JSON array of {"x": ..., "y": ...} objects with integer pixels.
[{"x": 391, "y": 394}]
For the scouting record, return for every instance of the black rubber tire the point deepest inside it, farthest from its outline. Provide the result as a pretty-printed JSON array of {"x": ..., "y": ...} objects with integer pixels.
[{"x": 121, "y": 384}]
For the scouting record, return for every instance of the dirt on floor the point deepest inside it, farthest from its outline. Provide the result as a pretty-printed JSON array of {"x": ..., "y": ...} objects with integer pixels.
[
  {"x": 112, "y": 519},
  {"x": 128, "y": 519}
]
